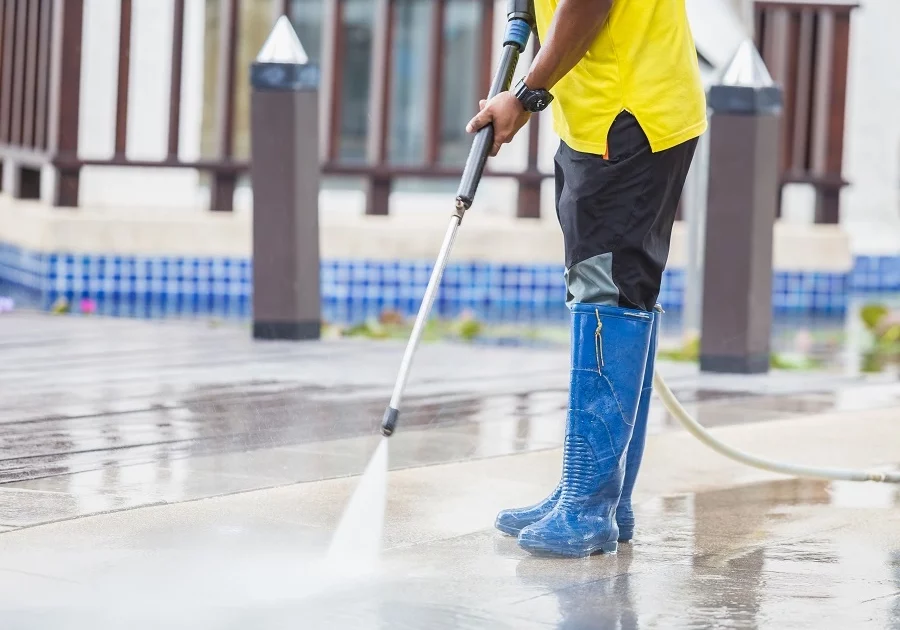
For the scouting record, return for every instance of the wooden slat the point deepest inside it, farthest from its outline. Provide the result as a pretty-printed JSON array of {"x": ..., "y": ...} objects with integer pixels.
[
  {"x": 122, "y": 86},
  {"x": 337, "y": 88},
  {"x": 838, "y": 94},
  {"x": 2, "y": 38},
  {"x": 770, "y": 40},
  {"x": 379, "y": 188},
  {"x": 380, "y": 82},
  {"x": 329, "y": 97},
  {"x": 789, "y": 86},
  {"x": 388, "y": 171},
  {"x": 382, "y": 122},
  {"x": 228, "y": 167},
  {"x": 223, "y": 184},
  {"x": 42, "y": 95},
  {"x": 822, "y": 91},
  {"x": 829, "y": 197},
  {"x": 228, "y": 30},
  {"x": 436, "y": 81},
  {"x": 31, "y": 78},
  {"x": 5, "y": 41},
  {"x": 18, "y": 85},
  {"x": 175, "y": 81},
  {"x": 65, "y": 102},
  {"x": 777, "y": 59},
  {"x": 800, "y": 123}
]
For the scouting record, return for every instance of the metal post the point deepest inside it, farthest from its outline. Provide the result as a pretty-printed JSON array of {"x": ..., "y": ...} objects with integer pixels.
[
  {"x": 743, "y": 194},
  {"x": 285, "y": 174},
  {"x": 695, "y": 195}
]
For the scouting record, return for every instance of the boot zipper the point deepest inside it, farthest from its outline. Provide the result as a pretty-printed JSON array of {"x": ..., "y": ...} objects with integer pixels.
[{"x": 598, "y": 342}]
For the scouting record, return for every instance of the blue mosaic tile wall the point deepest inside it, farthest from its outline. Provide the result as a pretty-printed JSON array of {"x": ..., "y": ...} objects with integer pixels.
[
  {"x": 354, "y": 289},
  {"x": 816, "y": 292},
  {"x": 876, "y": 273},
  {"x": 22, "y": 267},
  {"x": 137, "y": 286}
]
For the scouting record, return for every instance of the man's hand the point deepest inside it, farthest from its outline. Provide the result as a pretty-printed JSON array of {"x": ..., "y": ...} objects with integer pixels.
[{"x": 506, "y": 113}]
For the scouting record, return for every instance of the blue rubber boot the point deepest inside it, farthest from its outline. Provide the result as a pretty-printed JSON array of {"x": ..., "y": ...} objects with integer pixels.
[
  {"x": 609, "y": 352},
  {"x": 625, "y": 513},
  {"x": 512, "y": 521}
]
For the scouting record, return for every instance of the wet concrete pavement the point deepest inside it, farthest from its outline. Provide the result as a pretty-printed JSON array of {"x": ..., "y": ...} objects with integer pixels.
[
  {"x": 745, "y": 550},
  {"x": 101, "y": 414},
  {"x": 149, "y": 478}
]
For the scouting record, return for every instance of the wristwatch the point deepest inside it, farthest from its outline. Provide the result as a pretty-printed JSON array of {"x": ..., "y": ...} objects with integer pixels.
[{"x": 532, "y": 100}]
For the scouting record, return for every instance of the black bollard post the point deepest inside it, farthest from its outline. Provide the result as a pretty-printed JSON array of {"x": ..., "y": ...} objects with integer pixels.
[
  {"x": 285, "y": 174},
  {"x": 743, "y": 195}
]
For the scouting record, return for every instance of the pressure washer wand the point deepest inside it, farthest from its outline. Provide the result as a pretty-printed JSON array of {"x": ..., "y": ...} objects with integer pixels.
[{"x": 518, "y": 28}]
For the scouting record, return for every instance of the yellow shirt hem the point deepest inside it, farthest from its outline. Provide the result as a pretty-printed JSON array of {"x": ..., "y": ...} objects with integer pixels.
[{"x": 656, "y": 144}]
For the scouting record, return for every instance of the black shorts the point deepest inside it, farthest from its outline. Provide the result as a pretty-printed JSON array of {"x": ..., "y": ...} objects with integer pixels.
[{"x": 616, "y": 214}]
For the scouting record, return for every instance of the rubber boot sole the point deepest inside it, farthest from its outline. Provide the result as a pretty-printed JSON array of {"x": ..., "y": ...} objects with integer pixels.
[
  {"x": 514, "y": 531},
  {"x": 509, "y": 531},
  {"x": 537, "y": 549}
]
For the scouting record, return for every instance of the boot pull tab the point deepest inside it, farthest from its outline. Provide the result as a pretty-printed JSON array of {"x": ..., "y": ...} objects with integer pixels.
[{"x": 598, "y": 341}]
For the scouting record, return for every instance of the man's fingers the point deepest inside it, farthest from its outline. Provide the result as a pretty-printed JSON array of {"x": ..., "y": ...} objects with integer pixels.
[
  {"x": 480, "y": 120},
  {"x": 482, "y": 103},
  {"x": 495, "y": 149}
]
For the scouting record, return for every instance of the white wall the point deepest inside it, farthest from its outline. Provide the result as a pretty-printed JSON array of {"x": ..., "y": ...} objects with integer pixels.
[
  {"x": 148, "y": 103},
  {"x": 871, "y": 205}
]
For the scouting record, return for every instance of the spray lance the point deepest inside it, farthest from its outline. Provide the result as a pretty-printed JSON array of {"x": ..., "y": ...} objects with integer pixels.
[{"x": 520, "y": 23}]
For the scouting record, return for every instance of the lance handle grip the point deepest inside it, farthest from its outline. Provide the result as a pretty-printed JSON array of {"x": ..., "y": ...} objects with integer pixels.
[{"x": 517, "y": 32}]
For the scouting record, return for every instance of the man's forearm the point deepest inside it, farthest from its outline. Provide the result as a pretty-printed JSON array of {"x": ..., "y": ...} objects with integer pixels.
[{"x": 575, "y": 26}]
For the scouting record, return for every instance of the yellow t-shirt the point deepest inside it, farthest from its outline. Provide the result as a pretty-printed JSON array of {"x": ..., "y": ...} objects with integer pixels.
[{"x": 643, "y": 61}]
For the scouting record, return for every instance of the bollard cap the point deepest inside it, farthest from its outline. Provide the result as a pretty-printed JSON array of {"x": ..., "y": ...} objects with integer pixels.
[
  {"x": 746, "y": 87},
  {"x": 282, "y": 63},
  {"x": 282, "y": 45}
]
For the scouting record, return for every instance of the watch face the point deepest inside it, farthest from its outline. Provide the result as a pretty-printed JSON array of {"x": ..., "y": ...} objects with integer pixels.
[
  {"x": 537, "y": 102},
  {"x": 533, "y": 100}
]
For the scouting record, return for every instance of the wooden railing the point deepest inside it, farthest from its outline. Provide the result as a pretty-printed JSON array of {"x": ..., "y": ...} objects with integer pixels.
[
  {"x": 805, "y": 46},
  {"x": 26, "y": 107},
  {"x": 40, "y": 83},
  {"x": 378, "y": 169}
]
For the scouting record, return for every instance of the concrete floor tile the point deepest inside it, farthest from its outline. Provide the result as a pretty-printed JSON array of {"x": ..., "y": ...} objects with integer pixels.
[
  {"x": 172, "y": 481},
  {"x": 278, "y": 465},
  {"x": 20, "y": 507},
  {"x": 417, "y": 447}
]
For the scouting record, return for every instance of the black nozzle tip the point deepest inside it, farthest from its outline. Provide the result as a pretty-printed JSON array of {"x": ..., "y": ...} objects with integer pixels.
[{"x": 389, "y": 423}]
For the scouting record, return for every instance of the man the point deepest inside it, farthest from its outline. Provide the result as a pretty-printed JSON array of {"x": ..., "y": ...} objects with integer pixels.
[{"x": 628, "y": 105}]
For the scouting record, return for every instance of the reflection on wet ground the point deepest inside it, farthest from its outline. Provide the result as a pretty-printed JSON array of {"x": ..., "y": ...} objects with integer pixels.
[
  {"x": 100, "y": 415},
  {"x": 786, "y": 554}
]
